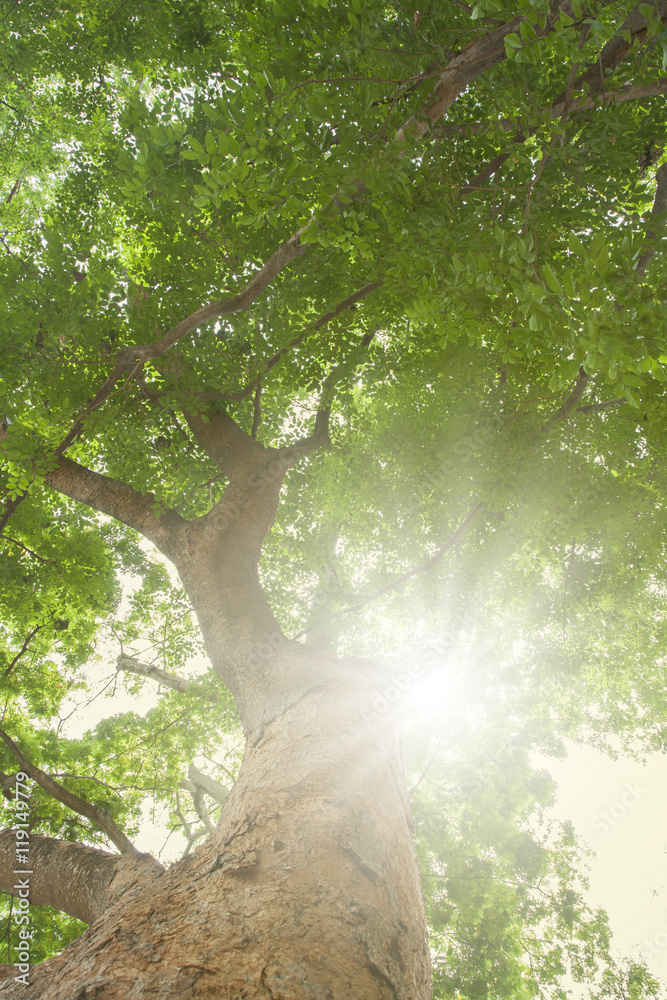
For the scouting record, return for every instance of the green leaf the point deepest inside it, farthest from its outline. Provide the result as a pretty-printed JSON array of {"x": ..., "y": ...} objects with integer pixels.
[{"x": 551, "y": 279}]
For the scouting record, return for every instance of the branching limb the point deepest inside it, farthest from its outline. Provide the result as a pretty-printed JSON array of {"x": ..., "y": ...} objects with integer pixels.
[
  {"x": 214, "y": 788},
  {"x": 233, "y": 451},
  {"x": 255, "y": 472},
  {"x": 133, "y": 666},
  {"x": 268, "y": 365},
  {"x": 475, "y": 59},
  {"x": 592, "y": 81},
  {"x": 632, "y": 30},
  {"x": 465, "y": 67},
  {"x": 120, "y": 501},
  {"x": 620, "y": 95},
  {"x": 199, "y": 784},
  {"x": 624, "y": 43},
  {"x": 320, "y": 436},
  {"x": 97, "y": 814},
  {"x": 571, "y": 401},
  {"x": 192, "y": 836},
  {"x": 79, "y": 880},
  {"x": 130, "y": 361}
]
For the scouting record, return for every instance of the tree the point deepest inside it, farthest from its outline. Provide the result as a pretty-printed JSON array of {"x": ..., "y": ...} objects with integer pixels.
[{"x": 335, "y": 305}]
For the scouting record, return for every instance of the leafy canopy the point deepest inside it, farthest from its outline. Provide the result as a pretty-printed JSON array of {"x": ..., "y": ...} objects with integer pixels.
[{"x": 155, "y": 156}]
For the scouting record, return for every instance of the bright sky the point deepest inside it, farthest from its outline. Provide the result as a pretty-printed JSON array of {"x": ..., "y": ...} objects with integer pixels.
[{"x": 620, "y": 809}]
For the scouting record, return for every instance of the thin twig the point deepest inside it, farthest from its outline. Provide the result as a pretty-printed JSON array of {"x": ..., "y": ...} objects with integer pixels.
[{"x": 25, "y": 548}]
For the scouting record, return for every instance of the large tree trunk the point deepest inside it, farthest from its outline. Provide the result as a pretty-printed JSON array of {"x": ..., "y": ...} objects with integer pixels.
[{"x": 309, "y": 887}]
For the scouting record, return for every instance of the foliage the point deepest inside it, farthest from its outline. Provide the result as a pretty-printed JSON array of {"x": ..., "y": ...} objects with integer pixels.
[{"x": 155, "y": 156}]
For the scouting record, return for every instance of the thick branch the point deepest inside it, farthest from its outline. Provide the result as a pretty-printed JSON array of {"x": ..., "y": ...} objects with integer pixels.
[
  {"x": 475, "y": 59},
  {"x": 214, "y": 788},
  {"x": 618, "y": 47},
  {"x": 155, "y": 673},
  {"x": 97, "y": 814},
  {"x": 79, "y": 880},
  {"x": 120, "y": 501},
  {"x": 235, "y": 453},
  {"x": 620, "y": 95}
]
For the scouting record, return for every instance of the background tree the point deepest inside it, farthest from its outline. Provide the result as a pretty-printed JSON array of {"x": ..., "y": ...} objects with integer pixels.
[{"x": 354, "y": 312}]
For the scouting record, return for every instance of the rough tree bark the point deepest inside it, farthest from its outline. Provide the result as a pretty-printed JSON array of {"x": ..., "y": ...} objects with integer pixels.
[{"x": 309, "y": 886}]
